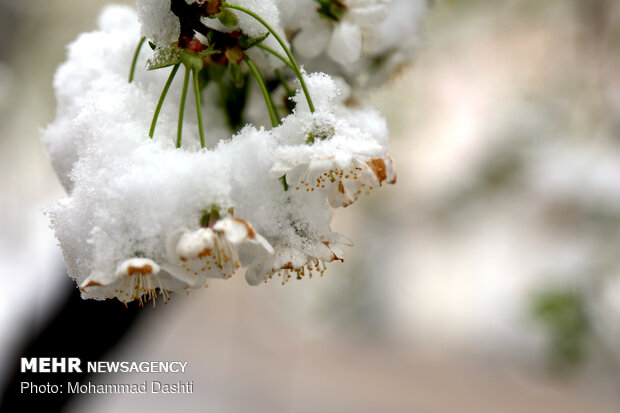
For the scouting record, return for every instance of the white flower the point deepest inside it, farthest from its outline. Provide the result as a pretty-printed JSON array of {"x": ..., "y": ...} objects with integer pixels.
[
  {"x": 393, "y": 47},
  {"x": 361, "y": 176},
  {"x": 135, "y": 279},
  {"x": 343, "y": 178},
  {"x": 288, "y": 262},
  {"x": 342, "y": 37},
  {"x": 215, "y": 252},
  {"x": 193, "y": 256}
]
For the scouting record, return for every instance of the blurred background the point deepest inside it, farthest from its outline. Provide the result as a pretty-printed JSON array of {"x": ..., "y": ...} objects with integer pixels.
[{"x": 486, "y": 280}]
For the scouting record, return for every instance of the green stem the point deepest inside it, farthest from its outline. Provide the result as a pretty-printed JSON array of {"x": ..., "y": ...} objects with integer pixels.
[
  {"x": 198, "y": 109},
  {"x": 161, "y": 99},
  {"x": 279, "y": 39},
  {"x": 276, "y": 54},
  {"x": 132, "y": 70},
  {"x": 270, "y": 106},
  {"x": 182, "y": 107},
  {"x": 282, "y": 80}
]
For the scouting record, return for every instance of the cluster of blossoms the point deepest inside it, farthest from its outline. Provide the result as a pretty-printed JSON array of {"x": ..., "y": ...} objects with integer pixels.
[{"x": 158, "y": 201}]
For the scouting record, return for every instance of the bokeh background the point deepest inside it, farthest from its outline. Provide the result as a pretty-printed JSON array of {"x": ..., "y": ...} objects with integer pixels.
[{"x": 486, "y": 280}]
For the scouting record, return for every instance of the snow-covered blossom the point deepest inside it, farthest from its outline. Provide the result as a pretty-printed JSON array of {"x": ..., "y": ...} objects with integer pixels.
[
  {"x": 134, "y": 279},
  {"x": 214, "y": 252},
  {"x": 164, "y": 191},
  {"x": 338, "y": 151},
  {"x": 360, "y": 176},
  {"x": 192, "y": 257},
  {"x": 290, "y": 262},
  {"x": 343, "y": 177}
]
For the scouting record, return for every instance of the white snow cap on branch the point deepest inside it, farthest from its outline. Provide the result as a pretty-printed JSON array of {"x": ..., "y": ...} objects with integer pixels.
[{"x": 144, "y": 218}]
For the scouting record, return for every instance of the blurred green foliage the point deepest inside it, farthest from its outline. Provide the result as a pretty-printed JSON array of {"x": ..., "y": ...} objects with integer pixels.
[{"x": 563, "y": 315}]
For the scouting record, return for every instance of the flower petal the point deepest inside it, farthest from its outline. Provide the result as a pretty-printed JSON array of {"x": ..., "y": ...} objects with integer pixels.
[
  {"x": 235, "y": 230},
  {"x": 195, "y": 244},
  {"x": 312, "y": 40},
  {"x": 345, "y": 45},
  {"x": 133, "y": 266}
]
